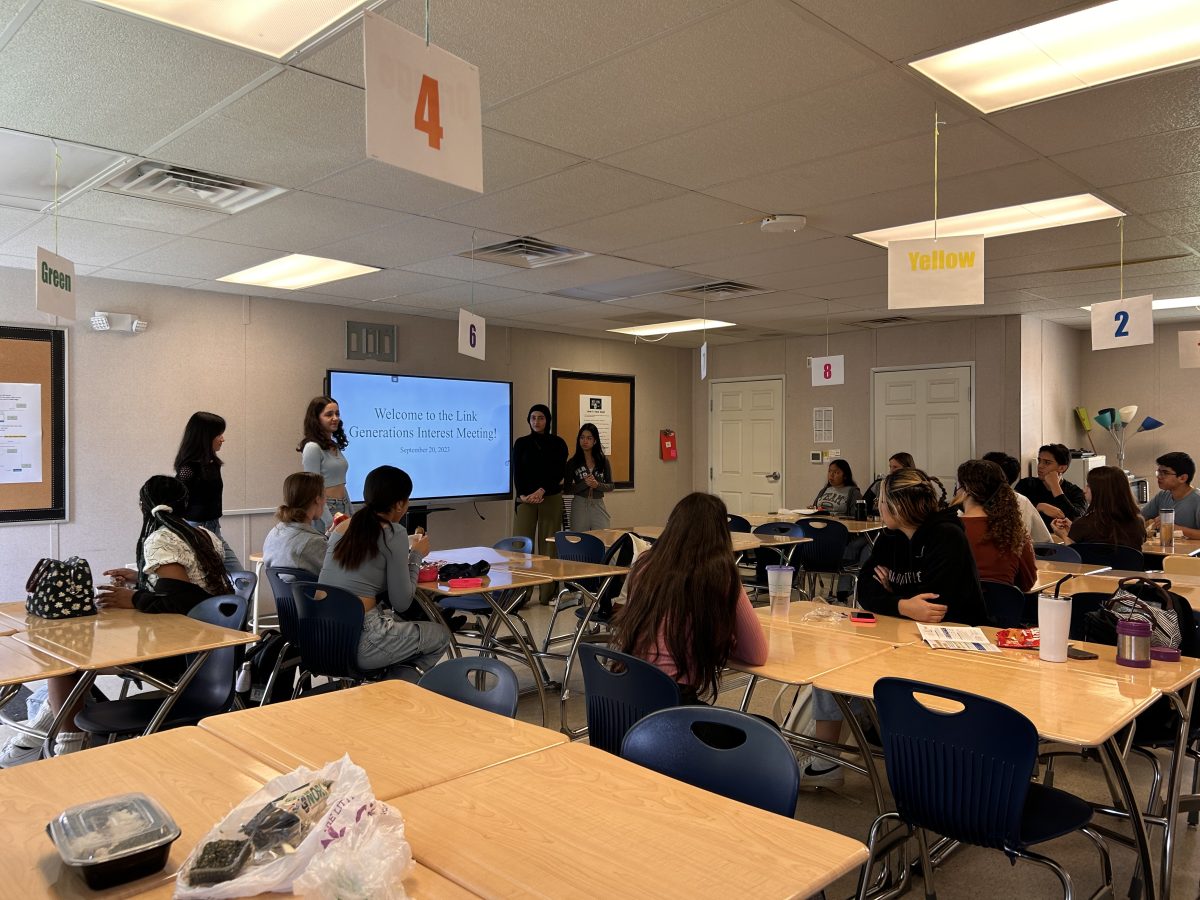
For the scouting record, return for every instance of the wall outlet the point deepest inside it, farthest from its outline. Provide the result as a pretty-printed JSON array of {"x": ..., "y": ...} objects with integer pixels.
[{"x": 835, "y": 454}]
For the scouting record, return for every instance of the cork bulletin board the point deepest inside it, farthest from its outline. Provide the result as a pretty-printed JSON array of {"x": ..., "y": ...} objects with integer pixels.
[
  {"x": 33, "y": 425},
  {"x": 606, "y": 401}
]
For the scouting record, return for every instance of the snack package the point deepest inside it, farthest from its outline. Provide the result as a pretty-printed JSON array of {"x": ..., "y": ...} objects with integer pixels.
[
  {"x": 269, "y": 839},
  {"x": 1019, "y": 638}
]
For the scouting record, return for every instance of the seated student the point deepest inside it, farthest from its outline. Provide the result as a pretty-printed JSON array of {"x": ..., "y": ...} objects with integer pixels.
[
  {"x": 179, "y": 565},
  {"x": 1112, "y": 516},
  {"x": 840, "y": 493},
  {"x": 992, "y": 518},
  {"x": 920, "y": 568},
  {"x": 896, "y": 462},
  {"x": 1038, "y": 532},
  {"x": 687, "y": 611},
  {"x": 1052, "y": 495},
  {"x": 1175, "y": 473},
  {"x": 371, "y": 555},
  {"x": 295, "y": 543}
]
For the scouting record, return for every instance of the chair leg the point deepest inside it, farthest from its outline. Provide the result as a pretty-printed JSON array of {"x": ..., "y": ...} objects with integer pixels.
[
  {"x": 926, "y": 864},
  {"x": 1064, "y": 877},
  {"x": 864, "y": 874},
  {"x": 1194, "y": 816},
  {"x": 1106, "y": 875},
  {"x": 1155, "y": 800}
]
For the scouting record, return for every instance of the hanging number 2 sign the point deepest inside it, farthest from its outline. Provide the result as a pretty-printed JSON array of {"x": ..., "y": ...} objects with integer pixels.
[
  {"x": 827, "y": 370},
  {"x": 1122, "y": 323},
  {"x": 423, "y": 110},
  {"x": 472, "y": 334}
]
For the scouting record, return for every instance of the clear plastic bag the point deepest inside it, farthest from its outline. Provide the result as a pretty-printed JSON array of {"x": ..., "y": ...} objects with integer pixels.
[
  {"x": 825, "y": 612},
  {"x": 368, "y": 862}
]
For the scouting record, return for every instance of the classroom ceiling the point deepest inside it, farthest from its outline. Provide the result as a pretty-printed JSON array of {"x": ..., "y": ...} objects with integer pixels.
[{"x": 645, "y": 133}]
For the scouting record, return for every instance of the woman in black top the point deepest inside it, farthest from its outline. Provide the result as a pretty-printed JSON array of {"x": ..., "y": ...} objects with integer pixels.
[
  {"x": 199, "y": 468},
  {"x": 539, "y": 467}
]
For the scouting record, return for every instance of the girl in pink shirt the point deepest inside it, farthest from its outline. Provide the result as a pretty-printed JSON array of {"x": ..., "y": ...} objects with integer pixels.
[{"x": 687, "y": 611}]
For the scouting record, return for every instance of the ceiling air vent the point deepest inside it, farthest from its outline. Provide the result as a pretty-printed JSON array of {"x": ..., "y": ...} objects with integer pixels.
[
  {"x": 525, "y": 253},
  {"x": 721, "y": 290},
  {"x": 884, "y": 322},
  {"x": 188, "y": 187}
]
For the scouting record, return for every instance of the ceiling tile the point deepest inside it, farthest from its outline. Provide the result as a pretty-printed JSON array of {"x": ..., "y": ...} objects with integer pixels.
[
  {"x": 704, "y": 73},
  {"x": 1191, "y": 240},
  {"x": 772, "y": 268},
  {"x": 581, "y": 192},
  {"x": 292, "y": 130},
  {"x": 386, "y": 284},
  {"x": 667, "y": 304},
  {"x": 296, "y": 222},
  {"x": 413, "y": 239},
  {"x": 1172, "y": 192},
  {"x": 1054, "y": 259},
  {"x": 460, "y": 267},
  {"x": 460, "y": 295},
  {"x": 135, "y": 212},
  {"x": 844, "y": 290},
  {"x": 1138, "y": 159},
  {"x": 1068, "y": 237},
  {"x": 1177, "y": 221},
  {"x": 84, "y": 243},
  {"x": 189, "y": 256},
  {"x": 576, "y": 273},
  {"x": 524, "y": 305},
  {"x": 721, "y": 243},
  {"x": 13, "y": 221},
  {"x": 144, "y": 277},
  {"x": 831, "y": 273}
]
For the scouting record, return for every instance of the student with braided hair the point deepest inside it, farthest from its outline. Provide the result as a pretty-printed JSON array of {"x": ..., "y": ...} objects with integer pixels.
[{"x": 995, "y": 525}]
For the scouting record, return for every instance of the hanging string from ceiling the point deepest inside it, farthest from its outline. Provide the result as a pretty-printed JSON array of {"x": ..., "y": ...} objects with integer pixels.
[{"x": 937, "y": 121}]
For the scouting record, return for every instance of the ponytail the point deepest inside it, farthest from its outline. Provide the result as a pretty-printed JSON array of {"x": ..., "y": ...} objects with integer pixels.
[
  {"x": 383, "y": 488},
  {"x": 163, "y": 499}
]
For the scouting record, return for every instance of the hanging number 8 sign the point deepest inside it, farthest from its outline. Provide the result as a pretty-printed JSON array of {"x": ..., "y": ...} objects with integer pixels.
[
  {"x": 827, "y": 370},
  {"x": 423, "y": 110},
  {"x": 1123, "y": 323}
]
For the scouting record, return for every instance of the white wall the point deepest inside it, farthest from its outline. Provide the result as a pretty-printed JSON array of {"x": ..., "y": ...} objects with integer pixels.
[
  {"x": 1051, "y": 387},
  {"x": 257, "y": 362}
]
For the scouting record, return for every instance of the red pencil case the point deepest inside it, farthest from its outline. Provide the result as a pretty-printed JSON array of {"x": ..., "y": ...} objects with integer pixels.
[{"x": 465, "y": 582}]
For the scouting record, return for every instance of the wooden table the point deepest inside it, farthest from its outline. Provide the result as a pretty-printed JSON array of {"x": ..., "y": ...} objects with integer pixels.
[
  {"x": 854, "y": 526},
  {"x": 13, "y": 616},
  {"x": 1186, "y": 586},
  {"x": 474, "y": 554},
  {"x": 740, "y": 540},
  {"x": 1181, "y": 547},
  {"x": 405, "y": 737},
  {"x": 574, "y": 821},
  {"x": 799, "y": 655},
  {"x": 1050, "y": 572},
  {"x": 20, "y": 663},
  {"x": 892, "y": 630}
]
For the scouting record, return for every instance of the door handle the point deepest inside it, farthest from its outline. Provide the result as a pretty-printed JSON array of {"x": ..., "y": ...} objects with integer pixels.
[{"x": 774, "y": 476}]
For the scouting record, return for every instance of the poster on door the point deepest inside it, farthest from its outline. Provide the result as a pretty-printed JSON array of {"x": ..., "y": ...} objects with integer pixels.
[
  {"x": 1123, "y": 323},
  {"x": 597, "y": 409}
]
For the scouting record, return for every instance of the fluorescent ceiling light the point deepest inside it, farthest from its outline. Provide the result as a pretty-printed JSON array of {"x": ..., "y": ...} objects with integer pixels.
[
  {"x": 291, "y": 273},
  {"x": 1177, "y": 303},
  {"x": 673, "y": 327},
  {"x": 271, "y": 27},
  {"x": 1006, "y": 220},
  {"x": 1087, "y": 48}
]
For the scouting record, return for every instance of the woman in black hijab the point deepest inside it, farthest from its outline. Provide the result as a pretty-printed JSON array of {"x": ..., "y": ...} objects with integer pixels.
[{"x": 539, "y": 467}]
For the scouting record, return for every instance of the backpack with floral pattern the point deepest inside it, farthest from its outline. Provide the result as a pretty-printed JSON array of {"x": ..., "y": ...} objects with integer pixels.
[{"x": 60, "y": 590}]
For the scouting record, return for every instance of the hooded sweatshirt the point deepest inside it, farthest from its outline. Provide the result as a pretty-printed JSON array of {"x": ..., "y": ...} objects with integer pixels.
[
  {"x": 539, "y": 460},
  {"x": 937, "y": 560}
]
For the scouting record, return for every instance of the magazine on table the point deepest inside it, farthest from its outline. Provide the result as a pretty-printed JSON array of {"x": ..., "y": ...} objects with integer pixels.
[{"x": 956, "y": 637}]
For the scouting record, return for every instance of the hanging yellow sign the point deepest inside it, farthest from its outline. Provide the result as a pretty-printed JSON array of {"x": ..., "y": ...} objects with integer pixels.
[{"x": 942, "y": 272}]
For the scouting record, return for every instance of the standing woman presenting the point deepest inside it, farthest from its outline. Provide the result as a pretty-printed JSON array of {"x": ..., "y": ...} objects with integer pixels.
[
  {"x": 590, "y": 477},
  {"x": 199, "y": 468},
  {"x": 322, "y": 452},
  {"x": 539, "y": 467}
]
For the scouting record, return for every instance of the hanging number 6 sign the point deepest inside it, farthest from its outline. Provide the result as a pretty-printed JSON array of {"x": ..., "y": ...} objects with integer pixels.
[
  {"x": 423, "y": 111},
  {"x": 1122, "y": 323},
  {"x": 471, "y": 334},
  {"x": 827, "y": 370}
]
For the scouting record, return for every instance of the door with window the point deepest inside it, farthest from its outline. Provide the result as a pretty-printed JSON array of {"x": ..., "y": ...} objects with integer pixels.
[
  {"x": 746, "y": 445},
  {"x": 927, "y": 412}
]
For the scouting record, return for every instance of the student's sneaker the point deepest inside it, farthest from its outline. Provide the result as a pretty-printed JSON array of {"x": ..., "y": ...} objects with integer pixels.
[
  {"x": 812, "y": 778},
  {"x": 23, "y": 748},
  {"x": 69, "y": 742}
]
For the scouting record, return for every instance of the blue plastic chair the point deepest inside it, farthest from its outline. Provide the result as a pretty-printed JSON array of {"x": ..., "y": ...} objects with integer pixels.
[
  {"x": 738, "y": 523},
  {"x": 457, "y": 679},
  {"x": 720, "y": 750},
  {"x": 244, "y": 584},
  {"x": 327, "y": 635},
  {"x": 281, "y": 579},
  {"x": 574, "y": 546},
  {"x": 824, "y": 554},
  {"x": 1115, "y": 556},
  {"x": 773, "y": 556},
  {"x": 616, "y": 700},
  {"x": 966, "y": 775},
  {"x": 1056, "y": 552},
  {"x": 1005, "y": 604},
  {"x": 210, "y": 692}
]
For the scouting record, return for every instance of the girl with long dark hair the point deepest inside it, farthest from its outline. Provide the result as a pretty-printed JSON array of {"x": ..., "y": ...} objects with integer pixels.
[
  {"x": 198, "y": 467},
  {"x": 687, "y": 611},
  {"x": 995, "y": 525},
  {"x": 840, "y": 493},
  {"x": 372, "y": 556},
  {"x": 322, "y": 451},
  {"x": 1112, "y": 516},
  {"x": 589, "y": 478}
]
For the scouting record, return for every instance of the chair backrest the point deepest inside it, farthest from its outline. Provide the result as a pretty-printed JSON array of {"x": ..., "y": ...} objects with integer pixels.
[
  {"x": 1081, "y": 604},
  {"x": 243, "y": 583},
  {"x": 616, "y": 700},
  {"x": 824, "y": 552},
  {"x": 619, "y": 554},
  {"x": 1113, "y": 555},
  {"x": 720, "y": 750},
  {"x": 961, "y": 774},
  {"x": 281, "y": 580},
  {"x": 1182, "y": 565},
  {"x": 211, "y": 689},
  {"x": 738, "y": 523},
  {"x": 575, "y": 546},
  {"x": 1005, "y": 603},
  {"x": 456, "y": 678},
  {"x": 516, "y": 544},
  {"x": 1056, "y": 552},
  {"x": 775, "y": 528},
  {"x": 327, "y": 630}
]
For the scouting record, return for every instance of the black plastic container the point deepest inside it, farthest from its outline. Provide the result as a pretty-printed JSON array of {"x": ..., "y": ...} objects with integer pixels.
[{"x": 114, "y": 840}]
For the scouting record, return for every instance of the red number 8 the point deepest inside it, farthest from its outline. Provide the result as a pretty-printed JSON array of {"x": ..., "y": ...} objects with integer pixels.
[{"x": 828, "y": 371}]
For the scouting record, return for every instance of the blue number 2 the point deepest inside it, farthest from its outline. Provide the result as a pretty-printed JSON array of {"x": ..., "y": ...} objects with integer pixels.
[{"x": 1121, "y": 317}]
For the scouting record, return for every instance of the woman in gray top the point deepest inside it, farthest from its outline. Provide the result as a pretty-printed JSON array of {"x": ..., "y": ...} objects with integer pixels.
[
  {"x": 294, "y": 543},
  {"x": 322, "y": 451},
  {"x": 370, "y": 555},
  {"x": 840, "y": 492}
]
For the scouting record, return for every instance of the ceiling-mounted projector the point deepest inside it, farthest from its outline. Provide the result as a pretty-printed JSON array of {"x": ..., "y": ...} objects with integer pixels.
[
  {"x": 120, "y": 323},
  {"x": 784, "y": 223}
]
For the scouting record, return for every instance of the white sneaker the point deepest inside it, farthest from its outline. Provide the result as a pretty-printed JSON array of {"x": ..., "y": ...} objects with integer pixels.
[
  {"x": 22, "y": 748},
  {"x": 69, "y": 742},
  {"x": 811, "y": 779}
]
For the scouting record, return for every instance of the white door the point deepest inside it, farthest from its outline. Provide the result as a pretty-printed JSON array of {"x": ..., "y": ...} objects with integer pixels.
[
  {"x": 746, "y": 445},
  {"x": 925, "y": 412}
]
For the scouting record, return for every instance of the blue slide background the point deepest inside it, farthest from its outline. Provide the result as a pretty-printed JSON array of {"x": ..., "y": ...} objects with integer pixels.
[{"x": 453, "y": 436}]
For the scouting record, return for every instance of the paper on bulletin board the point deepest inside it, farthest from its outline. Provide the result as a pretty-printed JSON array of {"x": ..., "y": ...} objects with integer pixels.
[
  {"x": 423, "y": 111},
  {"x": 1123, "y": 323},
  {"x": 472, "y": 334},
  {"x": 55, "y": 292},
  {"x": 598, "y": 409},
  {"x": 926, "y": 273},
  {"x": 828, "y": 370},
  {"x": 1189, "y": 349},
  {"x": 20, "y": 433}
]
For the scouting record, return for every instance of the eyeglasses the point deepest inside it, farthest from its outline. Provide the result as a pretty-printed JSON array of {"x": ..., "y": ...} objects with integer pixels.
[{"x": 1163, "y": 473}]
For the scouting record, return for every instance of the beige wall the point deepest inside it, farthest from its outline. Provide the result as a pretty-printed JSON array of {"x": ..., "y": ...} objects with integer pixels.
[
  {"x": 1150, "y": 377},
  {"x": 257, "y": 362},
  {"x": 993, "y": 344},
  {"x": 1051, "y": 387}
]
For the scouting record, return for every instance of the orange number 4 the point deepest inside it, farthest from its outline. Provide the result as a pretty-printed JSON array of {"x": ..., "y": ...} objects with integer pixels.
[{"x": 428, "y": 114}]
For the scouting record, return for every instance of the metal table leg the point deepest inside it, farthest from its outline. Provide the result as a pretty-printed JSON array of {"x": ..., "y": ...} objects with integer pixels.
[{"x": 1112, "y": 754}]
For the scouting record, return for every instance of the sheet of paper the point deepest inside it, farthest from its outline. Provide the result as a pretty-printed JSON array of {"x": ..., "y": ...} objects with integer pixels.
[
  {"x": 955, "y": 637},
  {"x": 467, "y": 555},
  {"x": 20, "y": 433}
]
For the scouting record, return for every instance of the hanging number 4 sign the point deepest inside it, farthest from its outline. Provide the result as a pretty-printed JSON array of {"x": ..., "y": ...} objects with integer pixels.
[
  {"x": 827, "y": 370},
  {"x": 423, "y": 109},
  {"x": 1122, "y": 323},
  {"x": 471, "y": 334}
]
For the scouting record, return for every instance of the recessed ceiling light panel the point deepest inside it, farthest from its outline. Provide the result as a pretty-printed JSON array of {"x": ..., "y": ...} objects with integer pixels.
[
  {"x": 1083, "y": 49},
  {"x": 292, "y": 273},
  {"x": 1177, "y": 303},
  {"x": 673, "y": 327}
]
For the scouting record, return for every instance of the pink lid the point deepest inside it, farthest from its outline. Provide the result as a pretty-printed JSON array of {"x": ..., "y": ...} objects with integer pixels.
[
  {"x": 1133, "y": 627},
  {"x": 1164, "y": 654}
]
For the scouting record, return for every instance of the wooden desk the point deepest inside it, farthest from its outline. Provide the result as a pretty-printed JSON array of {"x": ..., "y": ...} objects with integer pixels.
[
  {"x": 574, "y": 821},
  {"x": 195, "y": 776},
  {"x": 407, "y": 738},
  {"x": 1186, "y": 586},
  {"x": 19, "y": 663},
  {"x": 1050, "y": 572},
  {"x": 474, "y": 554},
  {"x": 854, "y": 526},
  {"x": 1179, "y": 548},
  {"x": 799, "y": 655},
  {"x": 566, "y": 570},
  {"x": 420, "y": 884},
  {"x": 892, "y": 630},
  {"x": 740, "y": 540},
  {"x": 495, "y": 580},
  {"x": 12, "y": 615}
]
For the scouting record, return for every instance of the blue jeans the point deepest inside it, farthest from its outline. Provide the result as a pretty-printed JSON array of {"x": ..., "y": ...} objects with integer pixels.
[{"x": 232, "y": 563}]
